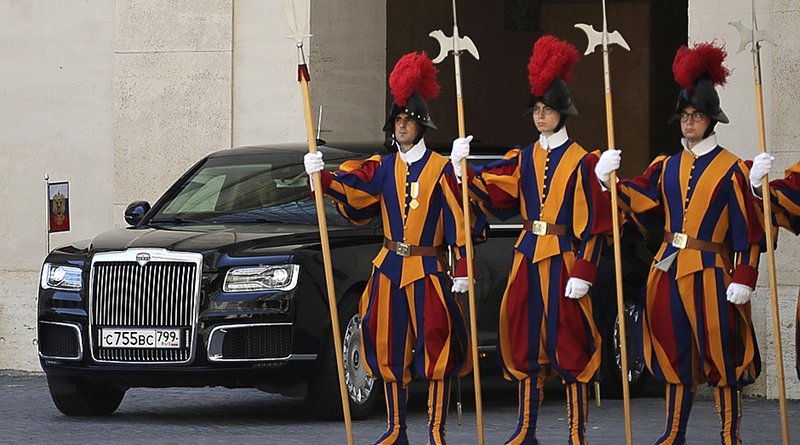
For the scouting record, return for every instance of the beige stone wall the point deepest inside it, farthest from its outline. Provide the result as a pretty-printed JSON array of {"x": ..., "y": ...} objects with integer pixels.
[
  {"x": 709, "y": 19},
  {"x": 784, "y": 133},
  {"x": 172, "y": 92},
  {"x": 56, "y": 71},
  {"x": 56, "y": 80},
  {"x": 267, "y": 99},
  {"x": 18, "y": 348},
  {"x": 348, "y": 72},
  {"x": 346, "y": 56}
]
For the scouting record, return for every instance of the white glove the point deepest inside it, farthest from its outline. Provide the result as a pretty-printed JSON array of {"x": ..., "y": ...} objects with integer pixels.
[
  {"x": 460, "y": 285},
  {"x": 577, "y": 288},
  {"x": 313, "y": 162},
  {"x": 762, "y": 164},
  {"x": 739, "y": 293},
  {"x": 609, "y": 161},
  {"x": 459, "y": 152}
]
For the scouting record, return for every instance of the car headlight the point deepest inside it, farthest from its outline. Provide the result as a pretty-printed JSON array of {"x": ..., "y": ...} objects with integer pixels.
[
  {"x": 61, "y": 277},
  {"x": 259, "y": 278}
]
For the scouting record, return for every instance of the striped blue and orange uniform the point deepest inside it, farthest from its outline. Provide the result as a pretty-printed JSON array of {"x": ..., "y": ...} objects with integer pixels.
[
  {"x": 540, "y": 330},
  {"x": 411, "y": 324},
  {"x": 785, "y": 197},
  {"x": 691, "y": 332}
]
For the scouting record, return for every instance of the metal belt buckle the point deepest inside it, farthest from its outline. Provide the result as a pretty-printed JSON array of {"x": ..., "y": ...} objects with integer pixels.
[
  {"x": 539, "y": 228},
  {"x": 680, "y": 240},
  {"x": 403, "y": 249}
]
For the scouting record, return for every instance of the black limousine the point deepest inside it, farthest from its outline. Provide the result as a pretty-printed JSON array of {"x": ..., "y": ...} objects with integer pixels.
[{"x": 221, "y": 283}]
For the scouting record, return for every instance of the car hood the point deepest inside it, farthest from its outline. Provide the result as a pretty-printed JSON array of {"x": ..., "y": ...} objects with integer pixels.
[{"x": 233, "y": 239}]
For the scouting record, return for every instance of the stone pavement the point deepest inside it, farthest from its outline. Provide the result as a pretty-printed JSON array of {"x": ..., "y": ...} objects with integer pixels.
[{"x": 242, "y": 416}]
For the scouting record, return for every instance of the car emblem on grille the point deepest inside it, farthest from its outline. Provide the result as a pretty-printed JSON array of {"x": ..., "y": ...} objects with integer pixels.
[{"x": 142, "y": 258}]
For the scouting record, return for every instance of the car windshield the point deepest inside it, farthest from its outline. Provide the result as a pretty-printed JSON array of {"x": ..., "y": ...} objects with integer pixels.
[{"x": 268, "y": 186}]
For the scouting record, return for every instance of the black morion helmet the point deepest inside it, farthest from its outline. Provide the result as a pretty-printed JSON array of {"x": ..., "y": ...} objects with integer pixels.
[
  {"x": 413, "y": 83},
  {"x": 698, "y": 71}
]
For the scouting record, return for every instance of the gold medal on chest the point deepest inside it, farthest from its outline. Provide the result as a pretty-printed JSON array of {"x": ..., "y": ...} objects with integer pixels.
[{"x": 414, "y": 193}]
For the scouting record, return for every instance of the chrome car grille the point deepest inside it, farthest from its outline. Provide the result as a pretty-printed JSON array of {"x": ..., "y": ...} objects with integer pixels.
[{"x": 145, "y": 289}]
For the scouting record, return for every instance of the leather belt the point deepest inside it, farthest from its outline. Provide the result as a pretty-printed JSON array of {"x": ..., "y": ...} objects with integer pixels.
[
  {"x": 540, "y": 228},
  {"x": 684, "y": 241},
  {"x": 404, "y": 249}
]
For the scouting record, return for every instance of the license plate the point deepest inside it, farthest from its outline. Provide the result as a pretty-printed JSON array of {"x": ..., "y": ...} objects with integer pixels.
[{"x": 140, "y": 338}]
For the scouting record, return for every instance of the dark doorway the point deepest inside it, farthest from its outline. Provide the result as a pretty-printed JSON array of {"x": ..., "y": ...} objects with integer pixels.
[{"x": 496, "y": 87}]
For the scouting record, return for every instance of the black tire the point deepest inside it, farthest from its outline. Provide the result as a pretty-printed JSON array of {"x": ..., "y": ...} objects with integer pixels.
[
  {"x": 323, "y": 390},
  {"x": 611, "y": 366},
  {"x": 80, "y": 398}
]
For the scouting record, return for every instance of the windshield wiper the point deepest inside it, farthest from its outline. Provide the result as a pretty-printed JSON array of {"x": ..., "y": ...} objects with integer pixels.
[
  {"x": 245, "y": 221},
  {"x": 173, "y": 220}
]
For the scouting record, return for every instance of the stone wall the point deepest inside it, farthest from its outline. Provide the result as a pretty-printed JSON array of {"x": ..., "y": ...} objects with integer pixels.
[
  {"x": 783, "y": 133},
  {"x": 56, "y": 83},
  {"x": 708, "y": 19},
  {"x": 348, "y": 74},
  {"x": 172, "y": 92}
]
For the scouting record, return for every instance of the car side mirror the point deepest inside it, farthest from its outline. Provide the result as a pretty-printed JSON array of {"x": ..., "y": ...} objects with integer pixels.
[{"x": 136, "y": 211}]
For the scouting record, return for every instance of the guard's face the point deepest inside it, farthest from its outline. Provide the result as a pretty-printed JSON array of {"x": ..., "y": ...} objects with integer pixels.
[
  {"x": 545, "y": 118},
  {"x": 406, "y": 130},
  {"x": 693, "y": 123}
]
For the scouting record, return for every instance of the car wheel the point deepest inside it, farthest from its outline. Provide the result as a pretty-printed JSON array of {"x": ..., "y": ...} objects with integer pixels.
[
  {"x": 323, "y": 391},
  {"x": 611, "y": 365},
  {"x": 80, "y": 398}
]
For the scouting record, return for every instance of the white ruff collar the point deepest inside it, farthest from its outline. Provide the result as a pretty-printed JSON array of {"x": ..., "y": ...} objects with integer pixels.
[
  {"x": 414, "y": 154},
  {"x": 703, "y": 148},
  {"x": 555, "y": 140}
]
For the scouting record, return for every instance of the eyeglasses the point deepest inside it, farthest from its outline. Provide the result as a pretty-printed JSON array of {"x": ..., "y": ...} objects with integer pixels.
[
  {"x": 547, "y": 111},
  {"x": 697, "y": 116}
]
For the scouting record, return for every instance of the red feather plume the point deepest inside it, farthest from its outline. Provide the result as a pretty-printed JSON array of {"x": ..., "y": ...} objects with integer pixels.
[
  {"x": 551, "y": 58},
  {"x": 414, "y": 72},
  {"x": 704, "y": 60}
]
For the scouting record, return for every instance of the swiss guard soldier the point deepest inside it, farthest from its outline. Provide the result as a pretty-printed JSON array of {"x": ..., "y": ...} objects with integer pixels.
[
  {"x": 546, "y": 321},
  {"x": 697, "y": 321},
  {"x": 785, "y": 198},
  {"x": 411, "y": 324}
]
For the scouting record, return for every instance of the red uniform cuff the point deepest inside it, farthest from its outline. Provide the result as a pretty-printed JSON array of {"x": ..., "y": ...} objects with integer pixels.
[
  {"x": 461, "y": 269},
  {"x": 326, "y": 178},
  {"x": 585, "y": 270},
  {"x": 745, "y": 274}
]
